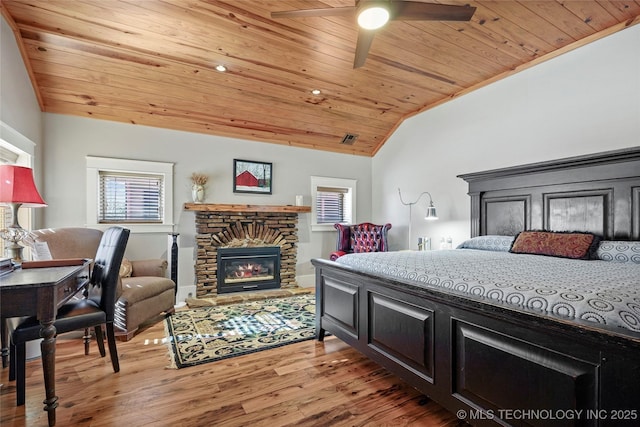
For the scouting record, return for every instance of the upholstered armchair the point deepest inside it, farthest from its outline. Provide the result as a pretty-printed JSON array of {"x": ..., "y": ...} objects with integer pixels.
[
  {"x": 143, "y": 291},
  {"x": 364, "y": 237},
  {"x": 146, "y": 293}
]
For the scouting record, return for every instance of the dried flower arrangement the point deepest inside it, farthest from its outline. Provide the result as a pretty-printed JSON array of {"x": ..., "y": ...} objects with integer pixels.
[{"x": 199, "y": 178}]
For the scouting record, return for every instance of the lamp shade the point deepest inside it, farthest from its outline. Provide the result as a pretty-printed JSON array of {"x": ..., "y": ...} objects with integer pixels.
[
  {"x": 431, "y": 214},
  {"x": 17, "y": 186}
]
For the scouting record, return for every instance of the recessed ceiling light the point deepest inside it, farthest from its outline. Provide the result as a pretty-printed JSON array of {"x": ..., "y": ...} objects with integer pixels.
[
  {"x": 316, "y": 91},
  {"x": 221, "y": 68}
]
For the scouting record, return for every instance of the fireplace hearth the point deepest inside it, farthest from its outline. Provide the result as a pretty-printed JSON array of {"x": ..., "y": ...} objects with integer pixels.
[{"x": 248, "y": 269}]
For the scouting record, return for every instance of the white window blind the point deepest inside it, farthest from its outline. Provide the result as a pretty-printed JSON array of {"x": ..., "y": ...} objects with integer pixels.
[
  {"x": 128, "y": 197},
  {"x": 5, "y": 221},
  {"x": 8, "y": 156},
  {"x": 5, "y": 212},
  {"x": 331, "y": 205},
  {"x": 333, "y": 201}
]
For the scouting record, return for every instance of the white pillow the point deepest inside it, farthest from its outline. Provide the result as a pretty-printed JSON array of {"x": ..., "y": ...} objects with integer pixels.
[
  {"x": 619, "y": 251},
  {"x": 488, "y": 243}
]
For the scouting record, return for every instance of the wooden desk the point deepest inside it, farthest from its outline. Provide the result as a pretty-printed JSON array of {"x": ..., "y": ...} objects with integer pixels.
[{"x": 40, "y": 292}]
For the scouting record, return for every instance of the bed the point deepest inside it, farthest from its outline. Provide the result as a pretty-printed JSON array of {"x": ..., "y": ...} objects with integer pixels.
[{"x": 504, "y": 338}]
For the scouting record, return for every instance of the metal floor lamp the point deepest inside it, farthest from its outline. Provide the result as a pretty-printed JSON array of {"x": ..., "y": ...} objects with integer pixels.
[{"x": 430, "y": 215}]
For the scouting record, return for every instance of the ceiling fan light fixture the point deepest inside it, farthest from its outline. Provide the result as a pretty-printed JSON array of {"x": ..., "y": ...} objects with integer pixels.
[{"x": 373, "y": 17}]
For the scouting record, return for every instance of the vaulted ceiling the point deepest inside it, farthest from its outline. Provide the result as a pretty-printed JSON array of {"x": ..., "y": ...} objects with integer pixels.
[{"x": 153, "y": 62}]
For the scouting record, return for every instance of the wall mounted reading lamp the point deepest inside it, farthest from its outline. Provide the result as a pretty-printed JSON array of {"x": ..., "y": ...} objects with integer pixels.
[{"x": 430, "y": 215}]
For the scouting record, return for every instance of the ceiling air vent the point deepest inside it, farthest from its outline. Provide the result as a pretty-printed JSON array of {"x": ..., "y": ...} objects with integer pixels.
[{"x": 349, "y": 139}]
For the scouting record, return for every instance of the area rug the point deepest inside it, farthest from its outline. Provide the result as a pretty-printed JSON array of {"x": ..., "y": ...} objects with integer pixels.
[{"x": 206, "y": 334}]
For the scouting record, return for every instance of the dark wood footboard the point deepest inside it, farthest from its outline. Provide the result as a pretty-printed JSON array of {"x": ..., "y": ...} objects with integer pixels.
[{"x": 486, "y": 364}]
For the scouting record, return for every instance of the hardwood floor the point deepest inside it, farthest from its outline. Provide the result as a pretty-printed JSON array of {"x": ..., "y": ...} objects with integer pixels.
[{"x": 303, "y": 384}]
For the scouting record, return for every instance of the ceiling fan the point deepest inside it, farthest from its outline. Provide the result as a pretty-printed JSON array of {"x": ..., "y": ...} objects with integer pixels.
[{"x": 373, "y": 14}]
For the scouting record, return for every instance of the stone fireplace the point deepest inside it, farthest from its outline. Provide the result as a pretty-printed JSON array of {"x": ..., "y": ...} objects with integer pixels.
[{"x": 243, "y": 226}]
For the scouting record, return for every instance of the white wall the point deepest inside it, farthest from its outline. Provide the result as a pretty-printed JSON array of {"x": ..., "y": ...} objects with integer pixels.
[
  {"x": 70, "y": 139},
  {"x": 20, "y": 116},
  {"x": 585, "y": 101},
  {"x": 18, "y": 104}
]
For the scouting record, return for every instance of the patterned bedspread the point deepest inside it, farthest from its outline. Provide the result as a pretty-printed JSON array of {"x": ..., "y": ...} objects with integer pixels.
[{"x": 599, "y": 291}]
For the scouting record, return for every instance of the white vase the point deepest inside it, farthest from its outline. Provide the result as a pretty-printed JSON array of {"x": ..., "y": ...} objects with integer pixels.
[{"x": 197, "y": 193}]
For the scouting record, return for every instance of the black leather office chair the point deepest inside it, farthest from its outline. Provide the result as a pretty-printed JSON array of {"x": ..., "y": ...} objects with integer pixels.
[{"x": 95, "y": 310}]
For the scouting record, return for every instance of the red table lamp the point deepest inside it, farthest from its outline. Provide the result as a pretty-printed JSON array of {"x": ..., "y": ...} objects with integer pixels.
[{"x": 17, "y": 188}]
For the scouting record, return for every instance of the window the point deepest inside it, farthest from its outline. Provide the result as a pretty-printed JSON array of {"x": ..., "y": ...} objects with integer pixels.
[
  {"x": 132, "y": 193},
  {"x": 126, "y": 197},
  {"x": 5, "y": 221},
  {"x": 8, "y": 155},
  {"x": 333, "y": 201},
  {"x": 12, "y": 155}
]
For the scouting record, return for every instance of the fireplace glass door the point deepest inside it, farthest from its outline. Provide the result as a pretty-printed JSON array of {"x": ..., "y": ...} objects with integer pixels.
[{"x": 248, "y": 269}]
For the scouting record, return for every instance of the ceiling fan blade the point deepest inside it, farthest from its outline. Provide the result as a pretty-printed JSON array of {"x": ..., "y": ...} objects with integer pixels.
[
  {"x": 399, "y": 10},
  {"x": 415, "y": 11},
  {"x": 327, "y": 11},
  {"x": 365, "y": 37}
]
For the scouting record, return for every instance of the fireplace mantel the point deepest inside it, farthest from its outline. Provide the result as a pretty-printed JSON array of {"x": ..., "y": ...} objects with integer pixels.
[{"x": 237, "y": 208}]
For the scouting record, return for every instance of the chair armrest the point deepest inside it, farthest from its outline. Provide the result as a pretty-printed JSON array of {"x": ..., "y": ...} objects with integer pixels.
[
  {"x": 336, "y": 254},
  {"x": 149, "y": 267},
  {"x": 343, "y": 242}
]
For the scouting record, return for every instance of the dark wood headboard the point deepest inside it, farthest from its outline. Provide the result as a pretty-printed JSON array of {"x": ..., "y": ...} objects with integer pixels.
[{"x": 599, "y": 193}]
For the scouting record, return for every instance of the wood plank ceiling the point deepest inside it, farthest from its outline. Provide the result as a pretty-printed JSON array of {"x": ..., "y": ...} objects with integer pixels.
[{"x": 152, "y": 62}]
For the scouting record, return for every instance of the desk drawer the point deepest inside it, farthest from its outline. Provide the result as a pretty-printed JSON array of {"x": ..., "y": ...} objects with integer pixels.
[{"x": 72, "y": 285}]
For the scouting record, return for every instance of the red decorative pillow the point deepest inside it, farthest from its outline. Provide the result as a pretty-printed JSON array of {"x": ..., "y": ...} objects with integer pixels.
[{"x": 575, "y": 245}]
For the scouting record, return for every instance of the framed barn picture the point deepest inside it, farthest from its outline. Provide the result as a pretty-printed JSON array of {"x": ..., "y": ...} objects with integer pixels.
[{"x": 251, "y": 177}]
